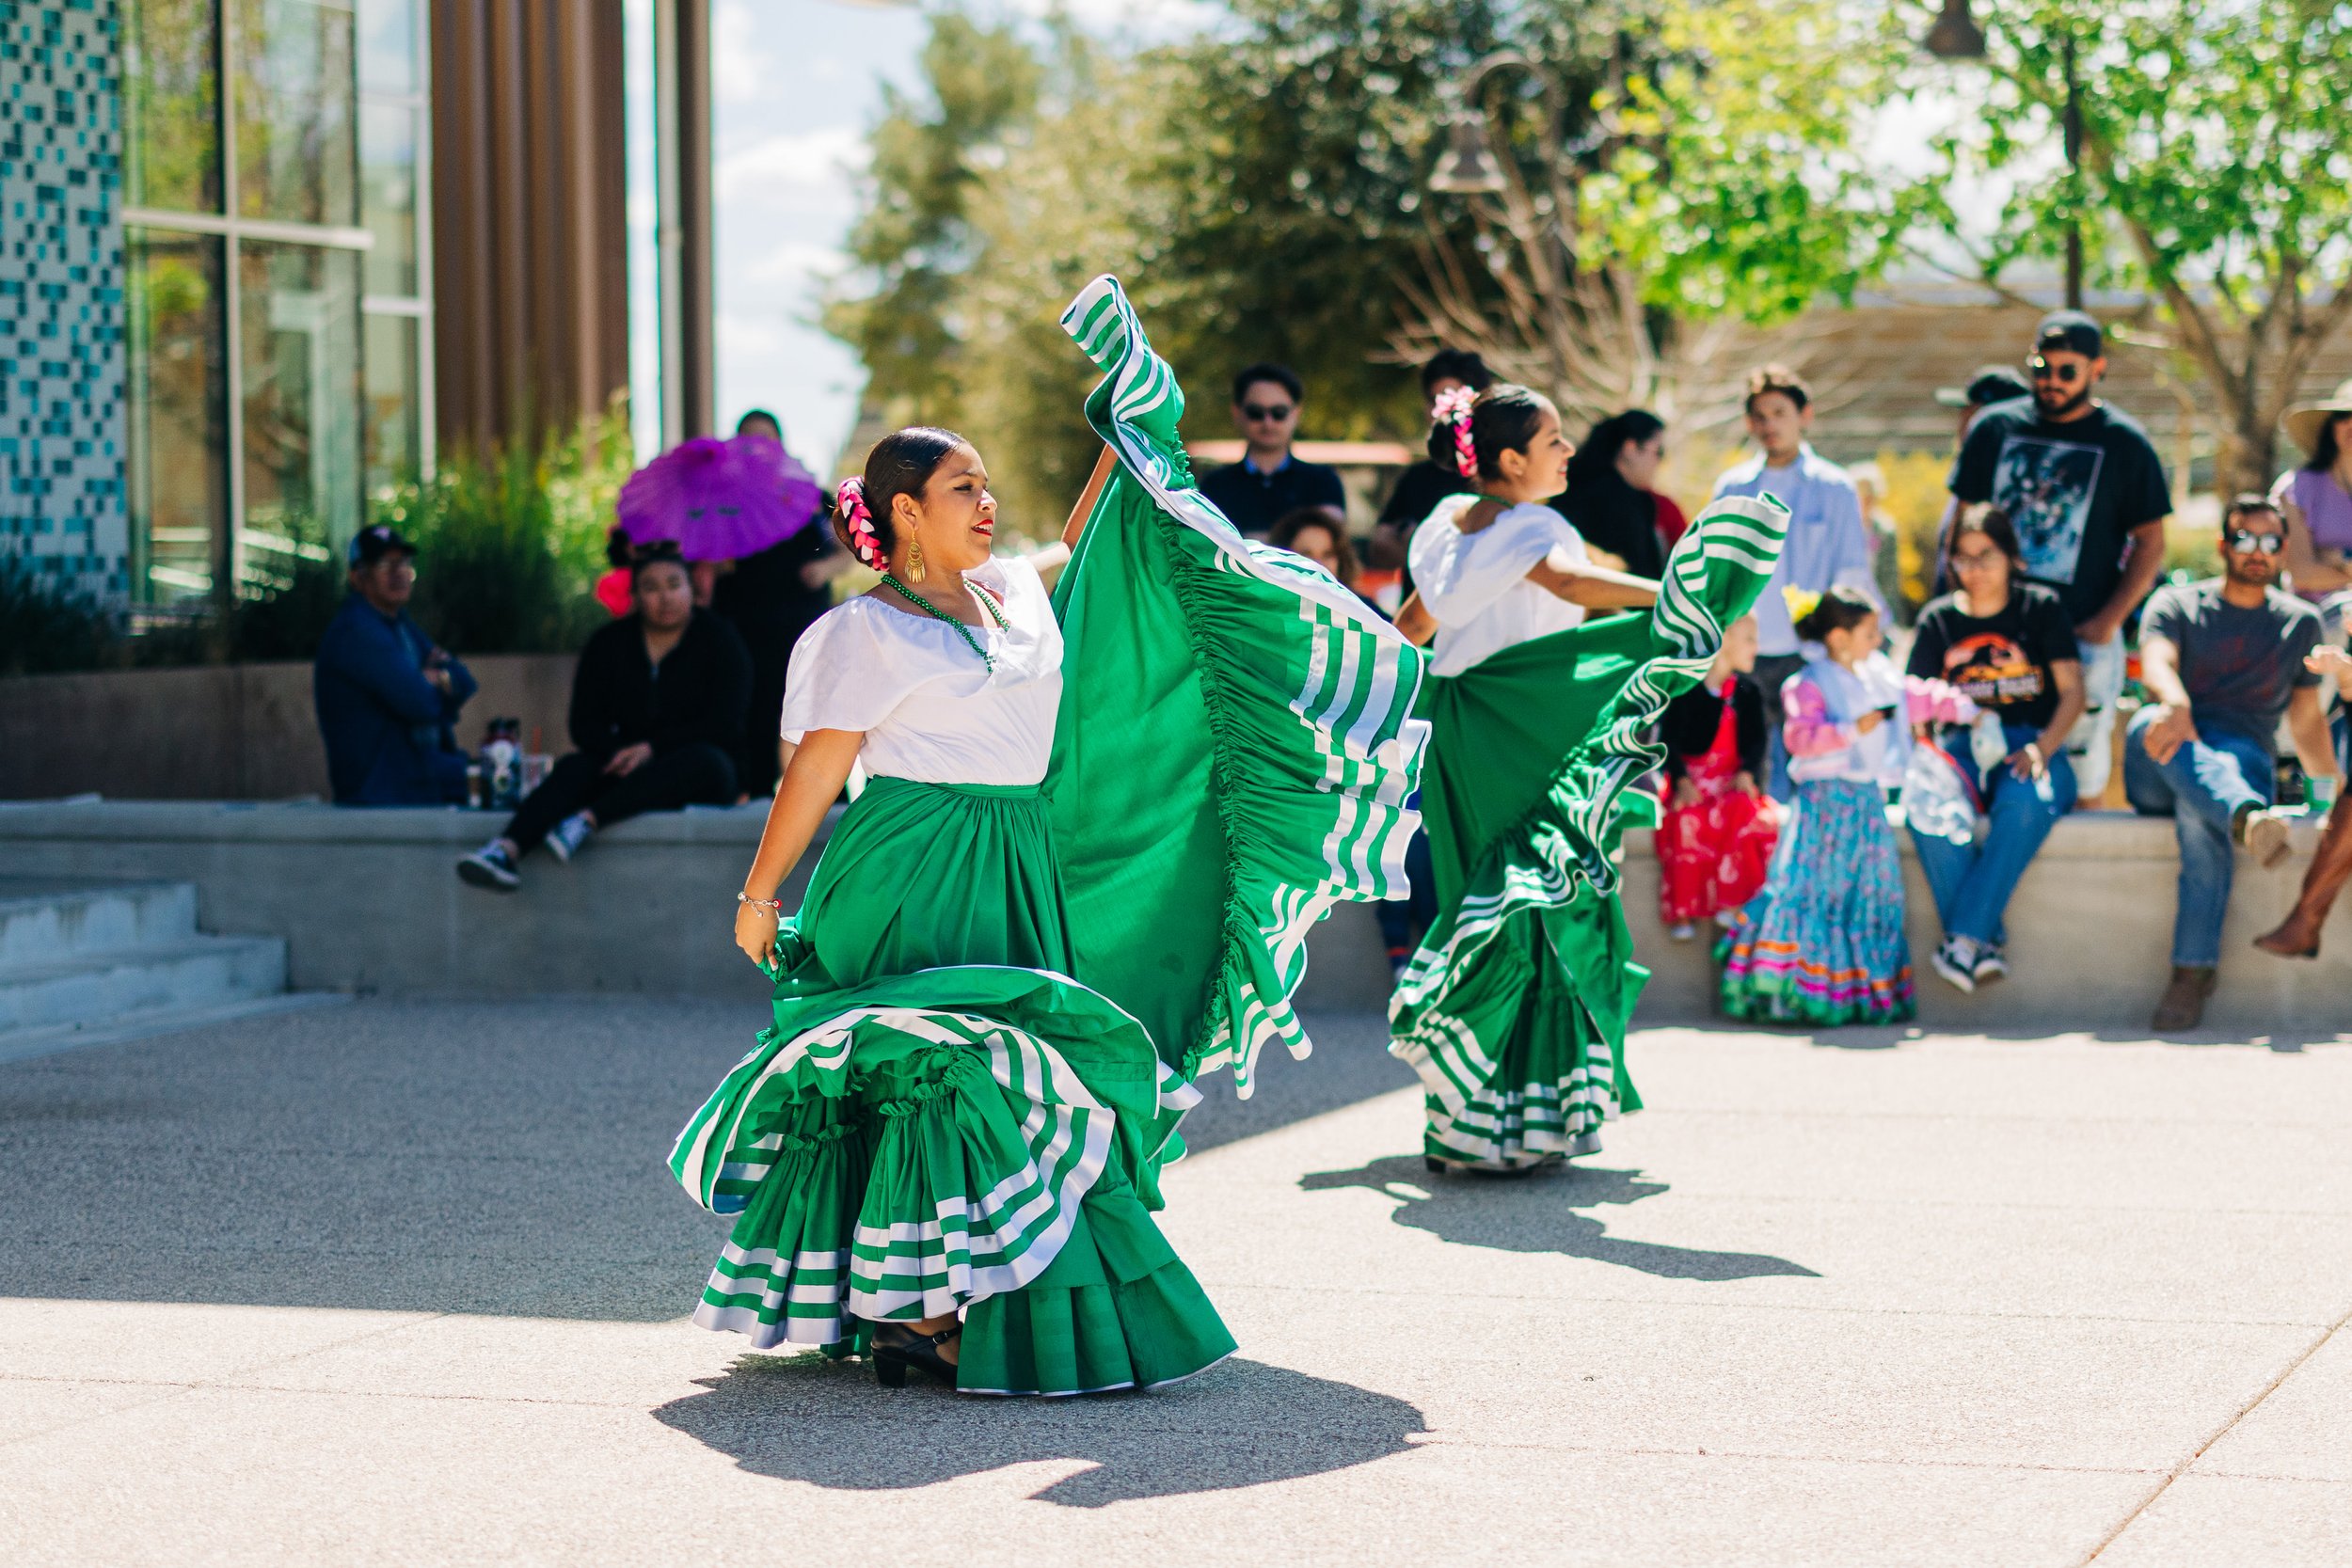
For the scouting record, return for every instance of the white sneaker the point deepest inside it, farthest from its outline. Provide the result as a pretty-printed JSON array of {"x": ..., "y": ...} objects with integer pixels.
[
  {"x": 564, "y": 839},
  {"x": 1956, "y": 962},
  {"x": 1991, "y": 964},
  {"x": 1683, "y": 932}
]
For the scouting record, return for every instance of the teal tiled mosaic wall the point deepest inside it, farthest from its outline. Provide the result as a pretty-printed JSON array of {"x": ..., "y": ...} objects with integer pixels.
[{"x": 61, "y": 293}]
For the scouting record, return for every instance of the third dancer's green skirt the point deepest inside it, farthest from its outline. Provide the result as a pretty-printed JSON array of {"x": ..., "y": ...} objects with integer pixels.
[
  {"x": 1513, "y": 1010},
  {"x": 941, "y": 1120}
]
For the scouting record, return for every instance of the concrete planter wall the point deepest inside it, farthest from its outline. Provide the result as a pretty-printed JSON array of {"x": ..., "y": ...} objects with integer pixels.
[
  {"x": 234, "y": 732},
  {"x": 367, "y": 900}
]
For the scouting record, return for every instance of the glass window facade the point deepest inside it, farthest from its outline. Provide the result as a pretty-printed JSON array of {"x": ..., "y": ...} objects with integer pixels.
[
  {"x": 178, "y": 449},
  {"x": 294, "y": 89},
  {"x": 171, "y": 106},
  {"x": 277, "y": 251}
]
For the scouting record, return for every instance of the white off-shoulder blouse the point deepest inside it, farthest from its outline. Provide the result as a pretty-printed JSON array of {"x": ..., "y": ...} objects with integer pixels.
[
  {"x": 929, "y": 709},
  {"x": 1475, "y": 584}
]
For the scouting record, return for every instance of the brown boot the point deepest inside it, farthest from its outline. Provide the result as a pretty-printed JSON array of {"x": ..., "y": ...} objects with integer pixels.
[
  {"x": 2298, "y": 936},
  {"x": 2184, "y": 1005}
]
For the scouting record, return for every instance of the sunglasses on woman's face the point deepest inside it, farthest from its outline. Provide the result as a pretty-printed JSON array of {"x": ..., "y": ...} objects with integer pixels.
[
  {"x": 1258, "y": 413},
  {"x": 2065, "y": 375},
  {"x": 2246, "y": 542}
]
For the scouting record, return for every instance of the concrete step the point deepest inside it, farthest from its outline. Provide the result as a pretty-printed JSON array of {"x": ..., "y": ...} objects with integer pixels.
[
  {"x": 48, "y": 1040},
  {"x": 191, "y": 972},
  {"x": 45, "y": 923}
]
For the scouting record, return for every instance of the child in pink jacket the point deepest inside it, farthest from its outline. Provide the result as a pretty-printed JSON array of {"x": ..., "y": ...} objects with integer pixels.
[{"x": 1824, "y": 942}]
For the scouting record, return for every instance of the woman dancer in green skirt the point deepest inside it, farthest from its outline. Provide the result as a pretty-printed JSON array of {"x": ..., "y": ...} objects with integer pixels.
[
  {"x": 1514, "y": 1009},
  {"x": 1054, "y": 902}
]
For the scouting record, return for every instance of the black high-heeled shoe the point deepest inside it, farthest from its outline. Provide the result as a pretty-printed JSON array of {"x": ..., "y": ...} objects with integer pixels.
[{"x": 895, "y": 1347}]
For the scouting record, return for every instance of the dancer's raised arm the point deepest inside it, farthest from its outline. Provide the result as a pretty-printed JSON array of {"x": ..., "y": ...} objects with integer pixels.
[
  {"x": 814, "y": 772},
  {"x": 1086, "y": 497},
  {"x": 1594, "y": 587}
]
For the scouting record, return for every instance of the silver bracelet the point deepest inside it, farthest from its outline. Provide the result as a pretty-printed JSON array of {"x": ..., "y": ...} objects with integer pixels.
[{"x": 774, "y": 906}]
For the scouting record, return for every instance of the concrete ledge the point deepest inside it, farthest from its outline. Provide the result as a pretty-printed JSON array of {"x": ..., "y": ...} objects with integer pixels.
[
  {"x": 368, "y": 901},
  {"x": 2090, "y": 941}
]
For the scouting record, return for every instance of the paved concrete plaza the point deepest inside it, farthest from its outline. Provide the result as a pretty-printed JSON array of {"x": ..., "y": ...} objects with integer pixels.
[{"x": 406, "y": 1283}]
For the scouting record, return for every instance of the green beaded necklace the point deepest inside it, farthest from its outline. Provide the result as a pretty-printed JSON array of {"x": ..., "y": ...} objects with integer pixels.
[{"x": 980, "y": 593}]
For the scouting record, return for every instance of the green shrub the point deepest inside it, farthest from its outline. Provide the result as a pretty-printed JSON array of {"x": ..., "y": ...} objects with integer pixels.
[
  {"x": 45, "y": 628},
  {"x": 509, "y": 543}
]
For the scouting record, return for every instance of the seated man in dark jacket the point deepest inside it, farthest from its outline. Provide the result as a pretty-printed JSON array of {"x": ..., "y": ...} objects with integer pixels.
[
  {"x": 387, "y": 697},
  {"x": 658, "y": 706}
]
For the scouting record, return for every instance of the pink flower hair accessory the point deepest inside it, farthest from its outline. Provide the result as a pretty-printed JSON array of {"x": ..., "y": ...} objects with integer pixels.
[
  {"x": 858, "y": 523},
  {"x": 1453, "y": 408}
]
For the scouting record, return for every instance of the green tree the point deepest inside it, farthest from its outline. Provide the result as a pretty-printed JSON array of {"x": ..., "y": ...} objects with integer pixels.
[
  {"x": 2213, "y": 170},
  {"x": 1684, "y": 176},
  {"x": 912, "y": 242},
  {"x": 1680, "y": 179}
]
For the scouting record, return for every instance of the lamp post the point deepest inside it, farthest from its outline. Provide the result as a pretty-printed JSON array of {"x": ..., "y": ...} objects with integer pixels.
[
  {"x": 1467, "y": 166},
  {"x": 1955, "y": 35}
]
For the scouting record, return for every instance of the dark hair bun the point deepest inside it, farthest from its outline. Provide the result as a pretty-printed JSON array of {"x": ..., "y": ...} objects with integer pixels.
[{"x": 1503, "y": 418}]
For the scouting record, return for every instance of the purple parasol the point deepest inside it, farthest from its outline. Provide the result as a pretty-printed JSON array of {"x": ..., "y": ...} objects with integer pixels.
[{"x": 719, "y": 500}]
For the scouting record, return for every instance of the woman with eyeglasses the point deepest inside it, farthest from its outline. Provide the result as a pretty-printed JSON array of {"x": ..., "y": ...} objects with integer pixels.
[{"x": 2006, "y": 643}]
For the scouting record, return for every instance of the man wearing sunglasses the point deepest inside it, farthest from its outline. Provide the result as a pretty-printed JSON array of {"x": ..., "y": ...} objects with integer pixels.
[
  {"x": 1270, "y": 482},
  {"x": 2086, "y": 492},
  {"x": 2223, "y": 661}
]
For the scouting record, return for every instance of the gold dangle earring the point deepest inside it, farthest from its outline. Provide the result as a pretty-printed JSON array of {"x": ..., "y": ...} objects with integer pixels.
[{"x": 914, "y": 560}]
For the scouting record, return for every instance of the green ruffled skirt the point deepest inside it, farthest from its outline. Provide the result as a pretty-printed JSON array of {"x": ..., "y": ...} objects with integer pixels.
[{"x": 942, "y": 1120}]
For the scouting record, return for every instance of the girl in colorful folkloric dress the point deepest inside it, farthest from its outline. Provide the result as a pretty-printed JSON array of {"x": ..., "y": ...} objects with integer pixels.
[
  {"x": 1514, "y": 1009},
  {"x": 1053, "y": 903},
  {"x": 1824, "y": 942},
  {"x": 1716, "y": 826}
]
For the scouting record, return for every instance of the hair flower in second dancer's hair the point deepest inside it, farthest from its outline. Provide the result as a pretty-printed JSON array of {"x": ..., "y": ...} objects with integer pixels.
[
  {"x": 1453, "y": 408},
  {"x": 858, "y": 523}
]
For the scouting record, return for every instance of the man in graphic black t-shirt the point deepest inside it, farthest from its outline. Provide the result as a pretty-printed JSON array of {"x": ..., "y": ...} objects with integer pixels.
[{"x": 2087, "y": 493}]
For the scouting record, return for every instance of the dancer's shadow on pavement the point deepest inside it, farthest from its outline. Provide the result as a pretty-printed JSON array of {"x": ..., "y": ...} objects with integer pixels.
[
  {"x": 1538, "y": 1213},
  {"x": 1239, "y": 1424}
]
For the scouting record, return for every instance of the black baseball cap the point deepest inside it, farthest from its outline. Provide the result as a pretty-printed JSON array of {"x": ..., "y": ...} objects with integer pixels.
[
  {"x": 1991, "y": 384},
  {"x": 371, "y": 544},
  {"x": 2071, "y": 330}
]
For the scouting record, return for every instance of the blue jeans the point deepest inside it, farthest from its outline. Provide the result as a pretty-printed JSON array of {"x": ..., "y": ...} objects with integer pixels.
[
  {"x": 2202, "y": 789},
  {"x": 1973, "y": 881}
]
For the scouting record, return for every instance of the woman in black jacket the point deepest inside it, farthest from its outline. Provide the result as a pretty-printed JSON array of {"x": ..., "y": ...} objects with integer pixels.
[{"x": 658, "y": 706}]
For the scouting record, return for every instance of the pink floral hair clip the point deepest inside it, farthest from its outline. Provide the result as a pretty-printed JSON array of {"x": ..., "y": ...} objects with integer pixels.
[
  {"x": 858, "y": 523},
  {"x": 1453, "y": 408}
]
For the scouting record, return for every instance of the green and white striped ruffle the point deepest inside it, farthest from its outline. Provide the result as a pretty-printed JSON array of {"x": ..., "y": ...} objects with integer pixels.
[
  {"x": 964, "y": 1185},
  {"x": 1310, "y": 745},
  {"x": 1451, "y": 1009}
]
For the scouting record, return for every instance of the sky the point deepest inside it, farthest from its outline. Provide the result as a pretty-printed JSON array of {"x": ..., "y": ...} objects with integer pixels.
[{"x": 797, "y": 84}]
